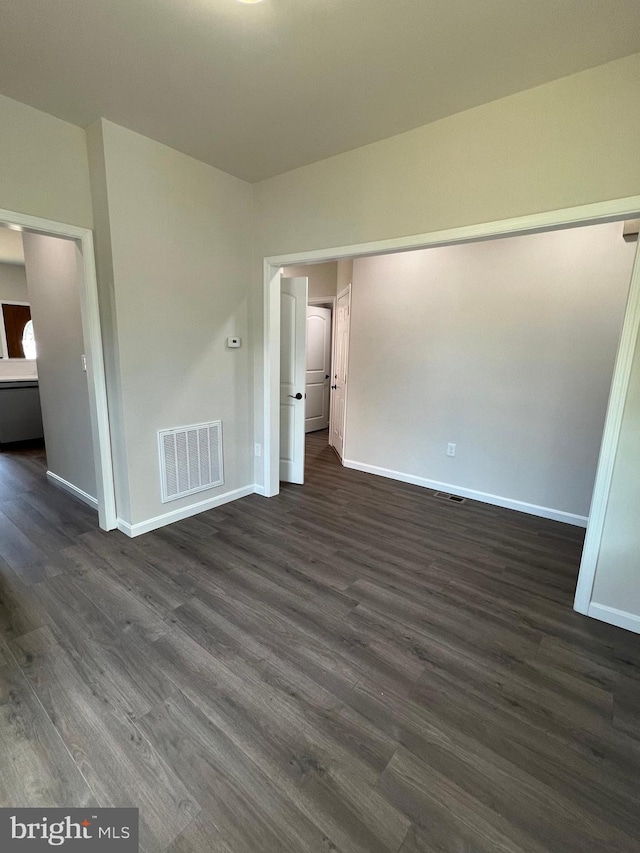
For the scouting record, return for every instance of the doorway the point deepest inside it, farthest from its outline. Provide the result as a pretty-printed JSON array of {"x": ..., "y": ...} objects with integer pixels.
[
  {"x": 321, "y": 393},
  {"x": 319, "y": 365},
  {"x": 606, "y": 212},
  {"x": 68, "y": 375}
]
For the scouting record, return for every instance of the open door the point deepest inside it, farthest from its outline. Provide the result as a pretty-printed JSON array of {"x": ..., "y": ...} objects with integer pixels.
[
  {"x": 293, "y": 322},
  {"x": 318, "y": 368}
]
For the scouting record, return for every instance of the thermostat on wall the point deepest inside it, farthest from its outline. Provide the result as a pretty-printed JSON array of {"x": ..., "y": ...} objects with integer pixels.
[{"x": 233, "y": 342}]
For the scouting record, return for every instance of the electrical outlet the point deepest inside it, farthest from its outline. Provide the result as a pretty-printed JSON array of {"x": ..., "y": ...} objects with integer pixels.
[
  {"x": 257, "y": 449},
  {"x": 451, "y": 450}
]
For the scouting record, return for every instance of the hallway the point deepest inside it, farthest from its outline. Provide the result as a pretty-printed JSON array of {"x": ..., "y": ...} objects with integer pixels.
[{"x": 354, "y": 665}]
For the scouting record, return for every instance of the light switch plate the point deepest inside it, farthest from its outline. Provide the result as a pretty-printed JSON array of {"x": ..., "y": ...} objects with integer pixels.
[{"x": 233, "y": 343}]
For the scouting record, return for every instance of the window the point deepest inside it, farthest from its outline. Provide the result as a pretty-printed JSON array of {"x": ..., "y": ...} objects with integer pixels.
[
  {"x": 29, "y": 341},
  {"x": 16, "y": 330}
]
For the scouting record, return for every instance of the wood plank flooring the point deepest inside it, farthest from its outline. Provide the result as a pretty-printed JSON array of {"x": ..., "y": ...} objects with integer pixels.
[{"x": 354, "y": 666}]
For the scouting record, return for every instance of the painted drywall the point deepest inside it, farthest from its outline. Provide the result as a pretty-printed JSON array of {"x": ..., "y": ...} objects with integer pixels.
[
  {"x": 53, "y": 267},
  {"x": 179, "y": 233},
  {"x": 345, "y": 274},
  {"x": 322, "y": 277},
  {"x": 505, "y": 348},
  {"x": 617, "y": 579},
  {"x": 567, "y": 143},
  {"x": 13, "y": 288},
  {"x": 43, "y": 165},
  {"x": 13, "y": 283}
]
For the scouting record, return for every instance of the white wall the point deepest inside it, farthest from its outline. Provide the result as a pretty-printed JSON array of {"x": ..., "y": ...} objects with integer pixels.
[
  {"x": 322, "y": 277},
  {"x": 43, "y": 172},
  {"x": 567, "y": 143},
  {"x": 345, "y": 274},
  {"x": 43, "y": 165},
  {"x": 13, "y": 283},
  {"x": 180, "y": 245},
  {"x": 53, "y": 270},
  {"x": 505, "y": 348}
]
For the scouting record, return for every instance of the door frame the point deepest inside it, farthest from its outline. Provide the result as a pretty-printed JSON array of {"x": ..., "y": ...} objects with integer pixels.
[
  {"x": 92, "y": 334},
  {"x": 345, "y": 291},
  {"x": 320, "y": 301},
  {"x": 588, "y": 214}
]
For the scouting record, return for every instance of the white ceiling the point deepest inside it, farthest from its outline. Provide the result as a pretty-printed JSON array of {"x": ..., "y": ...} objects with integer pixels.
[
  {"x": 260, "y": 89},
  {"x": 11, "y": 251}
]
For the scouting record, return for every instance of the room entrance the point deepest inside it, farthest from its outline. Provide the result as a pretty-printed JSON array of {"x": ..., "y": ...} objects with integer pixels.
[
  {"x": 52, "y": 382},
  {"x": 384, "y": 362}
]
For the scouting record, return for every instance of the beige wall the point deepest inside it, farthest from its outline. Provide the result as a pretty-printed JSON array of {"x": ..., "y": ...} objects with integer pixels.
[
  {"x": 43, "y": 172},
  {"x": 180, "y": 239},
  {"x": 570, "y": 142},
  {"x": 345, "y": 274},
  {"x": 13, "y": 283},
  {"x": 617, "y": 581},
  {"x": 322, "y": 277},
  {"x": 43, "y": 166},
  {"x": 53, "y": 271},
  {"x": 505, "y": 348}
]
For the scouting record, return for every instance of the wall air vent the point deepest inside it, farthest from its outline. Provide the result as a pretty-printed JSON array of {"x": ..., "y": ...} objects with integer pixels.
[
  {"x": 447, "y": 497},
  {"x": 190, "y": 459}
]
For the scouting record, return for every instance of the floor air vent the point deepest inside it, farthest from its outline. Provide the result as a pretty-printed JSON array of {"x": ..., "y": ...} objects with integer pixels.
[
  {"x": 190, "y": 459},
  {"x": 447, "y": 497}
]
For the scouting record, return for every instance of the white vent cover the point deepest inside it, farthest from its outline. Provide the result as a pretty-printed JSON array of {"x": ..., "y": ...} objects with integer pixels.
[{"x": 190, "y": 459}]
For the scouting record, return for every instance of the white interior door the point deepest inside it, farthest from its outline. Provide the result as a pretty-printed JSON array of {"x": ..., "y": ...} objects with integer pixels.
[
  {"x": 318, "y": 368},
  {"x": 339, "y": 383},
  {"x": 293, "y": 321}
]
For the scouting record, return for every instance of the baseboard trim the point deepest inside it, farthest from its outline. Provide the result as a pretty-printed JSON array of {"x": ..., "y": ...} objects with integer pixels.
[
  {"x": 66, "y": 486},
  {"x": 483, "y": 497},
  {"x": 133, "y": 530},
  {"x": 619, "y": 618},
  {"x": 260, "y": 490}
]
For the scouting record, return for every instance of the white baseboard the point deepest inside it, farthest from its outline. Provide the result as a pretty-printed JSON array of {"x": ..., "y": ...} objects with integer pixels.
[
  {"x": 619, "y": 618},
  {"x": 141, "y": 527},
  {"x": 483, "y": 497},
  {"x": 73, "y": 490},
  {"x": 260, "y": 490}
]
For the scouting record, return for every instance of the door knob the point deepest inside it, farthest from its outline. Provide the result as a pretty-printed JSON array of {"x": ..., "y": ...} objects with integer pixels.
[
  {"x": 334, "y": 387},
  {"x": 297, "y": 396}
]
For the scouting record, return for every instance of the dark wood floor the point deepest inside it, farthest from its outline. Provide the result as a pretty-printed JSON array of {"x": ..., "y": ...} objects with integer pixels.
[{"x": 354, "y": 665}]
